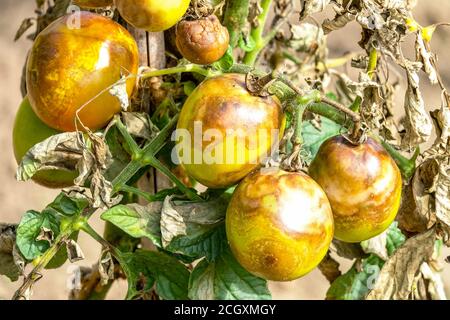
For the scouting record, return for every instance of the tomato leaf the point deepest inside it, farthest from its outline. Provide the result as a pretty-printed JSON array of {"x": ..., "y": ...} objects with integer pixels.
[
  {"x": 11, "y": 262},
  {"x": 30, "y": 227},
  {"x": 136, "y": 220},
  {"x": 314, "y": 137},
  {"x": 68, "y": 206},
  {"x": 144, "y": 268},
  {"x": 192, "y": 229},
  {"x": 226, "y": 62},
  {"x": 225, "y": 279}
]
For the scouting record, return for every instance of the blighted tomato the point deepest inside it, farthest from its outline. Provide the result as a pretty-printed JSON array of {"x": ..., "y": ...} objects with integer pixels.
[
  {"x": 224, "y": 132},
  {"x": 279, "y": 224},
  {"x": 93, "y": 3},
  {"x": 202, "y": 41},
  {"x": 363, "y": 184},
  {"x": 28, "y": 131},
  {"x": 152, "y": 15},
  {"x": 70, "y": 65}
]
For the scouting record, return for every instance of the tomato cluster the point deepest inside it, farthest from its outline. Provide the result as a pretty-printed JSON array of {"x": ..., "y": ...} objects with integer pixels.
[{"x": 279, "y": 224}]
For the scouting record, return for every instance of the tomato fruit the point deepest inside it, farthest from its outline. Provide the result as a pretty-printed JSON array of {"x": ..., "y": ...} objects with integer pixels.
[
  {"x": 68, "y": 67},
  {"x": 279, "y": 224},
  {"x": 93, "y": 3},
  {"x": 28, "y": 131},
  {"x": 363, "y": 184},
  {"x": 152, "y": 15},
  {"x": 202, "y": 41},
  {"x": 238, "y": 125}
]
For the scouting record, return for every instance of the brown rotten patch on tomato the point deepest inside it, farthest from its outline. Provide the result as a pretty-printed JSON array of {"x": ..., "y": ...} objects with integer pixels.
[
  {"x": 363, "y": 185},
  {"x": 233, "y": 129},
  {"x": 202, "y": 41},
  {"x": 279, "y": 224}
]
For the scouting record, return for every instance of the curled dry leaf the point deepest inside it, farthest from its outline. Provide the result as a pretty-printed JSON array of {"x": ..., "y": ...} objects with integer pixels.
[
  {"x": 106, "y": 268},
  {"x": 307, "y": 37},
  {"x": 418, "y": 122},
  {"x": 435, "y": 285},
  {"x": 140, "y": 125},
  {"x": 347, "y": 250},
  {"x": 442, "y": 195},
  {"x": 417, "y": 212},
  {"x": 60, "y": 152},
  {"x": 102, "y": 191},
  {"x": 377, "y": 245},
  {"x": 426, "y": 58},
  {"x": 329, "y": 268},
  {"x": 338, "y": 22},
  {"x": 74, "y": 252},
  {"x": 312, "y": 6},
  {"x": 397, "y": 276},
  {"x": 12, "y": 264},
  {"x": 119, "y": 90}
]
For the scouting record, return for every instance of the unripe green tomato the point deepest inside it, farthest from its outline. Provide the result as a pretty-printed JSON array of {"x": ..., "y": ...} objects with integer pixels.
[
  {"x": 71, "y": 65},
  {"x": 279, "y": 224},
  {"x": 93, "y": 3},
  {"x": 245, "y": 125},
  {"x": 28, "y": 131},
  {"x": 363, "y": 184},
  {"x": 202, "y": 41},
  {"x": 152, "y": 15}
]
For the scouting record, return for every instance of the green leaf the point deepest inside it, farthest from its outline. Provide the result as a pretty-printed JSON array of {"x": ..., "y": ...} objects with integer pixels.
[
  {"x": 136, "y": 220},
  {"x": 395, "y": 238},
  {"x": 30, "y": 227},
  {"x": 226, "y": 62},
  {"x": 144, "y": 268},
  {"x": 313, "y": 137},
  {"x": 354, "y": 285},
  {"x": 246, "y": 43},
  {"x": 225, "y": 279},
  {"x": 68, "y": 206},
  {"x": 206, "y": 241},
  {"x": 189, "y": 87}
]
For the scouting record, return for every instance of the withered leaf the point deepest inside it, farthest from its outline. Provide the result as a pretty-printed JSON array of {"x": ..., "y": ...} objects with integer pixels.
[
  {"x": 74, "y": 252},
  {"x": 426, "y": 58},
  {"x": 12, "y": 263},
  {"x": 102, "y": 191},
  {"x": 312, "y": 6},
  {"x": 329, "y": 268},
  {"x": 140, "y": 125},
  {"x": 26, "y": 24},
  {"x": 119, "y": 90},
  {"x": 418, "y": 122},
  {"x": 106, "y": 267},
  {"x": 60, "y": 152},
  {"x": 347, "y": 250},
  {"x": 435, "y": 286},
  {"x": 396, "y": 278}
]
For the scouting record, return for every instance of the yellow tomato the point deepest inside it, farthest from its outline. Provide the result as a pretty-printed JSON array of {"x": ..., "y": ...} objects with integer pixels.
[
  {"x": 93, "y": 3},
  {"x": 224, "y": 132},
  {"x": 363, "y": 184},
  {"x": 30, "y": 130},
  {"x": 152, "y": 15},
  {"x": 70, "y": 65},
  {"x": 279, "y": 224}
]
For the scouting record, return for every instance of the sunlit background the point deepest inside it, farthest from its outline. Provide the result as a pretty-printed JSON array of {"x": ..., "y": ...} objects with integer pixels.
[{"x": 16, "y": 198}]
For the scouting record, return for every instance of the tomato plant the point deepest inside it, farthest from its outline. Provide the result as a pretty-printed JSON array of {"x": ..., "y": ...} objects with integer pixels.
[{"x": 194, "y": 151}]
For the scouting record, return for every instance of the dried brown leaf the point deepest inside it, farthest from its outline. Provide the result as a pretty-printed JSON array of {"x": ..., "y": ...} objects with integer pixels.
[
  {"x": 140, "y": 125},
  {"x": 310, "y": 7},
  {"x": 397, "y": 276}
]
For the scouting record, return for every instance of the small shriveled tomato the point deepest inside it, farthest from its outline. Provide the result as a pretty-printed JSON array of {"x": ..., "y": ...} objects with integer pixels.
[
  {"x": 152, "y": 15},
  {"x": 93, "y": 3},
  {"x": 363, "y": 184},
  {"x": 28, "y": 131},
  {"x": 224, "y": 132},
  {"x": 279, "y": 224},
  {"x": 202, "y": 41},
  {"x": 70, "y": 66}
]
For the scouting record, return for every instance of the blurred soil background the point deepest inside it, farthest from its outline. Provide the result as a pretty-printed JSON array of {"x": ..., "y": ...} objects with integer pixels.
[{"x": 16, "y": 198}]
